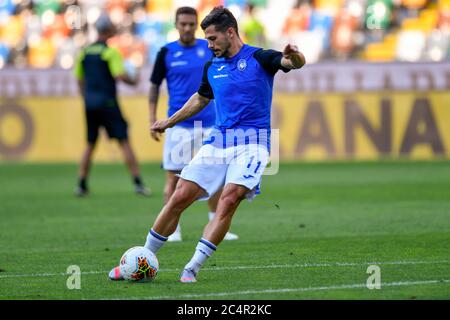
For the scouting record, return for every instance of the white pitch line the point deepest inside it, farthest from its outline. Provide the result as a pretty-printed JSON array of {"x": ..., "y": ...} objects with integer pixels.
[
  {"x": 329, "y": 264},
  {"x": 288, "y": 290},
  {"x": 273, "y": 266}
]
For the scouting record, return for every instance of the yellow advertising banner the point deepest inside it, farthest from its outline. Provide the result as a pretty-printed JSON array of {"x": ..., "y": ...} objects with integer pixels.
[
  {"x": 365, "y": 126},
  {"x": 54, "y": 129},
  {"x": 322, "y": 126}
]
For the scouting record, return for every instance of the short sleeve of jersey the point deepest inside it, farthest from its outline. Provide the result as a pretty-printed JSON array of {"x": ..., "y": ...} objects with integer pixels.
[
  {"x": 270, "y": 60},
  {"x": 115, "y": 61},
  {"x": 78, "y": 70},
  {"x": 205, "y": 89},
  {"x": 159, "y": 68}
]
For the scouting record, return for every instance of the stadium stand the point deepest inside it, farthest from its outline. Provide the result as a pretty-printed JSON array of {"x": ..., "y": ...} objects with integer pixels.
[{"x": 49, "y": 33}]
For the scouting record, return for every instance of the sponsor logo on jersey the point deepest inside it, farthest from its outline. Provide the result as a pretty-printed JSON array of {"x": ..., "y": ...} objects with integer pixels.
[{"x": 178, "y": 63}]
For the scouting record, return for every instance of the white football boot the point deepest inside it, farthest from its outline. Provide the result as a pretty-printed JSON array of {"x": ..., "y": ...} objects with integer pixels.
[{"x": 114, "y": 274}]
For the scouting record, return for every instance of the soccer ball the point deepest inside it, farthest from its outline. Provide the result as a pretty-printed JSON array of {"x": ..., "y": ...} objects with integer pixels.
[{"x": 138, "y": 264}]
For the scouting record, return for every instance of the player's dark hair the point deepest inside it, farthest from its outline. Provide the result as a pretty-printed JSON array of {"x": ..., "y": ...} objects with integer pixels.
[
  {"x": 185, "y": 10},
  {"x": 221, "y": 18}
]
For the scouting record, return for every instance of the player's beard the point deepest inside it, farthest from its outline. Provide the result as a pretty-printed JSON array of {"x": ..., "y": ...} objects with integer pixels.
[
  {"x": 187, "y": 39},
  {"x": 225, "y": 52}
]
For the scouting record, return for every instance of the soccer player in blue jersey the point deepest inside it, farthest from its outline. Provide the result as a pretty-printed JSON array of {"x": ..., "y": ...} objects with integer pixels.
[
  {"x": 181, "y": 64},
  {"x": 240, "y": 79}
]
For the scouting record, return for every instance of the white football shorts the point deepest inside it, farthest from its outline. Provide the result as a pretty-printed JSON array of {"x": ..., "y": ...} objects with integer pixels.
[
  {"x": 213, "y": 168},
  {"x": 180, "y": 146}
]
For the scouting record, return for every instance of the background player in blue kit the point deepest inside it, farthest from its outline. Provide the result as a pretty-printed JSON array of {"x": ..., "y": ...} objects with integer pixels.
[
  {"x": 240, "y": 79},
  {"x": 181, "y": 64}
]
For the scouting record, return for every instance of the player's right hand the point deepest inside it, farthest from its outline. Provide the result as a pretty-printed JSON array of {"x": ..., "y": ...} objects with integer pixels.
[
  {"x": 155, "y": 135},
  {"x": 159, "y": 127}
]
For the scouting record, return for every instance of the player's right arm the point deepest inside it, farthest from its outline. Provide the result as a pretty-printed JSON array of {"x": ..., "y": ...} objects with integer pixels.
[
  {"x": 158, "y": 74},
  {"x": 153, "y": 105},
  {"x": 194, "y": 105}
]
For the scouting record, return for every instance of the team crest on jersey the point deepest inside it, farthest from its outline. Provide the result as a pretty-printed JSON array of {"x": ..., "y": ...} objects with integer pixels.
[
  {"x": 200, "y": 52},
  {"x": 242, "y": 64}
]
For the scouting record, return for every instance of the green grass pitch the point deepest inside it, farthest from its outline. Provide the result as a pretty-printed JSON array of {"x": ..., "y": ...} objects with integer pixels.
[{"x": 312, "y": 234}]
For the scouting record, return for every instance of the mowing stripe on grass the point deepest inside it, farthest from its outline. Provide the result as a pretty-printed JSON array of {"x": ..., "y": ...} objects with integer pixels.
[
  {"x": 287, "y": 290},
  {"x": 274, "y": 266}
]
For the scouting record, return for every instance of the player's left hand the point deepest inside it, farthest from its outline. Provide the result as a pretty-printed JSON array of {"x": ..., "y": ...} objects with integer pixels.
[
  {"x": 289, "y": 50},
  {"x": 293, "y": 56}
]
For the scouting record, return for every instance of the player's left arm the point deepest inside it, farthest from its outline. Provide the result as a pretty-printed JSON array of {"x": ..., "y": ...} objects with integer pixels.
[
  {"x": 78, "y": 72},
  {"x": 117, "y": 66},
  {"x": 81, "y": 87},
  {"x": 292, "y": 57}
]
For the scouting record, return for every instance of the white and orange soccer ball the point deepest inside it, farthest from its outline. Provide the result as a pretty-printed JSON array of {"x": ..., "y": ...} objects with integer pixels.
[{"x": 138, "y": 264}]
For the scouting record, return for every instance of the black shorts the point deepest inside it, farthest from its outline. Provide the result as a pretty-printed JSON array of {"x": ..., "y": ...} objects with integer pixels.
[{"x": 108, "y": 117}]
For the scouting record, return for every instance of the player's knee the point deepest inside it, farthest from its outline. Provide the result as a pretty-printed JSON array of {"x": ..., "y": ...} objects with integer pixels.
[
  {"x": 166, "y": 196},
  {"x": 181, "y": 198},
  {"x": 231, "y": 200},
  {"x": 168, "y": 192}
]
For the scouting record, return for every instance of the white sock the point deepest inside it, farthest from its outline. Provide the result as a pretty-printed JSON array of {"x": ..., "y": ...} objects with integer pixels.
[
  {"x": 203, "y": 251},
  {"x": 154, "y": 241},
  {"x": 211, "y": 215}
]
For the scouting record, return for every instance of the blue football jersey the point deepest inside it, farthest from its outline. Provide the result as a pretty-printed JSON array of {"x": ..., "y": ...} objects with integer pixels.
[
  {"x": 182, "y": 67},
  {"x": 242, "y": 88}
]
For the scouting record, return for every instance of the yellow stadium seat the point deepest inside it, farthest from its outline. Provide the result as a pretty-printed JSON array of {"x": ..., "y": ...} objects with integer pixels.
[
  {"x": 410, "y": 24},
  {"x": 429, "y": 18},
  {"x": 444, "y": 5},
  {"x": 390, "y": 39},
  {"x": 13, "y": 31},
  {"x": 42, "y": 54},
  {"x": 379, "y": 52}
]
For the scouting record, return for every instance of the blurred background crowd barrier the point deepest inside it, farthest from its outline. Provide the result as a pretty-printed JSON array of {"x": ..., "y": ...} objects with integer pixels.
[{"x": 376, "y": 84}]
